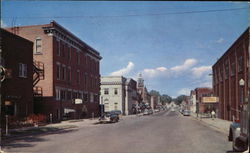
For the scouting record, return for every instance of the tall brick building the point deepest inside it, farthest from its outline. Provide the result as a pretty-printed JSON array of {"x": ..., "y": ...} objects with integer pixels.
[
  {"x": 227, "y": 72},
  {"x": 72, "y": 79},
  {"x": 17, "y": 88}
]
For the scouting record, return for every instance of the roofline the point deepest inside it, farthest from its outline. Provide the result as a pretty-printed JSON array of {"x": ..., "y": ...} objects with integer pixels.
[
  {"x": 16, "y": 35},
  {"x": 54, "y": 23},
  {"x": 228, "y": 50}
]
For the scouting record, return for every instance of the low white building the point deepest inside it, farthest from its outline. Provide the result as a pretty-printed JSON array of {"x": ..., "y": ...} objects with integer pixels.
[{"x": 118, "y": 93}]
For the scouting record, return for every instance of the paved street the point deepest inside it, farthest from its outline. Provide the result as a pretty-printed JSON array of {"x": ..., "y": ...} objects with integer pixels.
[{"x": 162, "y": 132}]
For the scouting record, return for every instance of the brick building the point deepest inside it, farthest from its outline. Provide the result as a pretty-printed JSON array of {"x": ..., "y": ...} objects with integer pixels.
[
  {"x": 227, "y": 72},
  {"x": 72, "y": 79},
  {"x": 201, "y": 105},
  {"x": 17, "y": 88}
]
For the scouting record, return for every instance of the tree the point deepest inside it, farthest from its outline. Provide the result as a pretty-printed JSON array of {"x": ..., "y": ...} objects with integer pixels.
[
  {"x": 179, "y": 99},
  {"x": 165, "y": 99},
  {"x": 154, "y": 93}
]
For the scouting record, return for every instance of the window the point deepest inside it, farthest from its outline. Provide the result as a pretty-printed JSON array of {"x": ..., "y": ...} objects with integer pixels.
[
  {"x": 63, "y": 95},
  {"x": 226, "y": 69},
  {"x": 58, "y": 48},
  {"x": 62, "y": 50},
  {"x": 69, "y": 74},
  {"x": 22, "y": 70},
  {"x": 69, "y": 95},
  {"x": 240, "y": 64},
  {"x": 116, "y": 106},
  {"x": 63, "y": 72},
  {"x": 69, "y": 53},
  {"x": 106, "y": 91},
  {"x": 85, "y": 97},
  {"x": 58, "y": 71},
  {"x": 116, "y": 91},
  {"x": 78, "y": 77},
  {"x": 85, "y": 79},
  {"x": 91, "y": 97},
  {"x": 78, "y": 59},
  {"x": 233, "y": 69},
  {"x": 58, "y": 94},
  {"x": 38, "y": 46}
]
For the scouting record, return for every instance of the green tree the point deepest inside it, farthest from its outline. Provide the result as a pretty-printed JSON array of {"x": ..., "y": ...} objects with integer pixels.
[
  {"x": 154, "y": 93},
  {"x": 179, "y": 99},
  {"x": 165, "y": 99}
]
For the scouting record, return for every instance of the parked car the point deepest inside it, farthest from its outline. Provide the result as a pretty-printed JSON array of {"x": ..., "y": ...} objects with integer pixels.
[
  {"x": 186, "y": 112},
  {"x": 157, "y": 110},
  {"x": 145, "y": 112},
  {"x": 109, "y": 117}
]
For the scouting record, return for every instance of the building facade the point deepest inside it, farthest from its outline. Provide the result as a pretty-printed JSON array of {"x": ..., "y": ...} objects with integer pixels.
[
  {"x": 201, "y": 105},
  {"x": 17, "y": 86},
  {"x": 227, "y": 72},
  {"x": 143, "y": 92},
  {"x": 192, "y": 99},
  {"x": 71, "y": 68},
  {"x": 118, "y": 93}
]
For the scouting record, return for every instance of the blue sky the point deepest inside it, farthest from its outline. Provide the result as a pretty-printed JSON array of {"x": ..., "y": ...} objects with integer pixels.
[{"x": 173, "y": 44}]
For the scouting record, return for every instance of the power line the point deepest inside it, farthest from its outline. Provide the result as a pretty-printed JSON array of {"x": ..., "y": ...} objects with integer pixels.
[{"x": 135, "y": 15}]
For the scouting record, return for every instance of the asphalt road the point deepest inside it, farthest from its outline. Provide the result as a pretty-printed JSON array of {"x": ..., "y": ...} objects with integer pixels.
[{"x": 164, "y": 132}]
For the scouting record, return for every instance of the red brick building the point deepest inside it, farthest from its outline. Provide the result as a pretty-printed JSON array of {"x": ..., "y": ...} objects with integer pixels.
[
  {"x": 72, "y": 79},
  {"x": 17, "y": 88},
  {"x": 227, "y": 72},
  {"x": 202, "y": 107}
]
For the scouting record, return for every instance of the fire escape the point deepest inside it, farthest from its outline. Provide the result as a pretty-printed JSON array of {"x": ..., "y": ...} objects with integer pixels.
[{"x": 38, "y": 74}]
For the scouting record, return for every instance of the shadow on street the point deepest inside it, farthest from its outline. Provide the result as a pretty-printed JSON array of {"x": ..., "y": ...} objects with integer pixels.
[{"x": 19, "y": 139}]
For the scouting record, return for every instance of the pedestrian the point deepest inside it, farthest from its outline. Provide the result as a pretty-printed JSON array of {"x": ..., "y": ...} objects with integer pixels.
[{"x": 213, "y": 114}]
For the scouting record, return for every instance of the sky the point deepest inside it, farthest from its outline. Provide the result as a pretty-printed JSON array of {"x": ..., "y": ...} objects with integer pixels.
[{"x": 172, "y": 44}]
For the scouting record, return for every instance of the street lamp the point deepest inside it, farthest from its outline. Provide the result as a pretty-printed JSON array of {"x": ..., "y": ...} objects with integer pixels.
[{"x": 242, "y": 83}]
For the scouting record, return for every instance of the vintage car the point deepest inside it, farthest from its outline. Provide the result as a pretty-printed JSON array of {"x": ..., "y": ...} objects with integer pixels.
[{"x": 109, "y": 117}]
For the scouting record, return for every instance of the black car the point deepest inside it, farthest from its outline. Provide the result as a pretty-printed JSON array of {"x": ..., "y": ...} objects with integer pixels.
[{"x": 110, "y": 117}]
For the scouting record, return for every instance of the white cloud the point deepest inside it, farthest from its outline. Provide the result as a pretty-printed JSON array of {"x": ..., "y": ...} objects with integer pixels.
[
  {"x": 221, "y": 40},
  {"x": 3, "y": 24},
  {"x": 124, "y": 71},
  {"x": 184, "y": 91},
  {"x": 187, "y": 64},
  {"x": 151, "y": 73},
  {"x": 199, "y": 71},
  {"x": 206, "y": 84}
]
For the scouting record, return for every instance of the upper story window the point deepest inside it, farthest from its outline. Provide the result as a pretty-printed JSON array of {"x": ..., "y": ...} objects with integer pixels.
[
  {"x": 58, "y": 71},
  {"x": 69, "y": 52},
  {"x": 62, "y": 50},
  {"x": 69, "y": 74},
  {"x": 58, "y": 48},
  {"x": 226, "y": 69},
  {"x": 106, "y": 91},
  {"x": 38, "y": 45},
  {"x": 78, "y": 76},
  {"x": 63, "y": 72},
  {"x": 116, "y": 91},
  {"x": 22, "y": 70},
  {"x": 233, "y": 69},
  {"x": 78, "y": 59},
  {"x": 240, "y": 64}
]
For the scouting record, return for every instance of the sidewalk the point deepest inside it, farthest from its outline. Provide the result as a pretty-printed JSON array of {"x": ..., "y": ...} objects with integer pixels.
[{"x": 216, "y": 123}]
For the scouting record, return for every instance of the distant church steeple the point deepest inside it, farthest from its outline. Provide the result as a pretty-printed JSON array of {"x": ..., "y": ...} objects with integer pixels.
[{"x": 140, "y": 81}]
